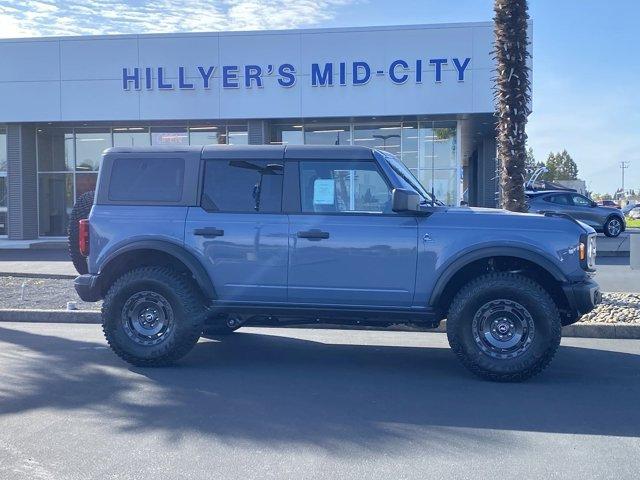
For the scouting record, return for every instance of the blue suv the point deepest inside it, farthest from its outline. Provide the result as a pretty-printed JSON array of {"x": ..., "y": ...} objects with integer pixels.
[{"x": 186, "y": 241}]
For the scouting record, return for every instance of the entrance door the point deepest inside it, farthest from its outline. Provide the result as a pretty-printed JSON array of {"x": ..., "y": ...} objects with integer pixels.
[
  {"x": 347, "y": 246},
  {"x": 240, "y": 230}
]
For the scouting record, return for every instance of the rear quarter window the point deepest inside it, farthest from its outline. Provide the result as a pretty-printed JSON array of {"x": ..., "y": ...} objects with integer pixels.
[{"x": 147, "y": 179}]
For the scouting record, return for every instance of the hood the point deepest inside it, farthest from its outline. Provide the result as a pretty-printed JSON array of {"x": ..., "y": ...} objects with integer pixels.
[{"x": 499, "y": 218}]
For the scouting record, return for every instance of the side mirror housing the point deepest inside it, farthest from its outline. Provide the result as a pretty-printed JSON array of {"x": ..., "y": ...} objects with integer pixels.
[{"x": 404, "y": 200}]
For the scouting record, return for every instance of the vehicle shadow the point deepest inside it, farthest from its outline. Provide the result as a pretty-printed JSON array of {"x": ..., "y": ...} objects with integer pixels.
[{"x": 274, "y": 389}]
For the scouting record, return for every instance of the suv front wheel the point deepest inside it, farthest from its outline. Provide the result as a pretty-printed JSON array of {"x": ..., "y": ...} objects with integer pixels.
[
  {"x": 504, "y": 327},
  {"x": 152, "y": 316}
]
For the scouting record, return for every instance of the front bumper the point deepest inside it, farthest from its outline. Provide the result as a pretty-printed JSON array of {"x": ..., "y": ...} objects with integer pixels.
[
  {"x": 88, "y": 288},
  {"x": 582, "y": 297}
]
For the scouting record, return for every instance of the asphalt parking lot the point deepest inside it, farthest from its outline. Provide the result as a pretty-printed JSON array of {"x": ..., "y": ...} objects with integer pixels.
[{"x": 284, "y": 403}]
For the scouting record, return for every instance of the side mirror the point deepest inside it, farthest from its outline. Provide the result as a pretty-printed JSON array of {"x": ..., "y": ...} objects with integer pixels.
[
  {"x": 594, "y": 204},
  {"x": 404, "y": 200}
]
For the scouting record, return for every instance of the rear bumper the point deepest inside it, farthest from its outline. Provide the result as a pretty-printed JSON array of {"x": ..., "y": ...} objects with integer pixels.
[
  {"x": 87, "y": 288},
  {"x": 582, "y": 297}
]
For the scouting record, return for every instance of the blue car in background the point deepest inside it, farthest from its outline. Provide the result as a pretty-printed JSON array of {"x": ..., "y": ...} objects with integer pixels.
[{"x": 608, "y": 220}]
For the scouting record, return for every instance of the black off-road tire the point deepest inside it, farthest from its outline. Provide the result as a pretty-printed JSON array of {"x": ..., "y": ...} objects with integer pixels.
[
  {"x": 515, "y": 288},
  {"x": 607, "y": 226},
  {"x": 80, "y": 211},
  {"x": 186, "y": 304}
]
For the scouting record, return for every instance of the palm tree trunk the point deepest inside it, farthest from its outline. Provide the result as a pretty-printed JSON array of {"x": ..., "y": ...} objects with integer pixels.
[{"x": 513, "y": 96}]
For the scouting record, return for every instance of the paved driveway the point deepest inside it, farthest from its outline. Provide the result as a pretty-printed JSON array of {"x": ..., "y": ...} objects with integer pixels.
[{"x": 299, "y": 404}]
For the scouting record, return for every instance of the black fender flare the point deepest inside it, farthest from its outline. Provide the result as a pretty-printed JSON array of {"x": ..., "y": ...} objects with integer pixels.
[
  {"x": 487, "y": 252},
  {"x": 177, "y": 251}
]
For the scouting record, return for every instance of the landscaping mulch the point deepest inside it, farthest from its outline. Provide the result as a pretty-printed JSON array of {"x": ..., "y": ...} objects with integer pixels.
[{"x": 40, "y": 293}]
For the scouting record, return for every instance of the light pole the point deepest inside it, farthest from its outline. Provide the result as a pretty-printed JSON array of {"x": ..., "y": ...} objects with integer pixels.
[{"x": 623, "y": 167}]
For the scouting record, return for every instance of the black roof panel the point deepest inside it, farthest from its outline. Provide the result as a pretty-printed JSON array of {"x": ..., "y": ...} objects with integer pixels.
[
  {"x": 268, "y": 152},
  {"x": 328, "y": 152}
]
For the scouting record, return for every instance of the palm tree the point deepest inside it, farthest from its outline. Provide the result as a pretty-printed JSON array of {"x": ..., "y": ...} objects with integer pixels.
[{"x": 513, "y": 96}]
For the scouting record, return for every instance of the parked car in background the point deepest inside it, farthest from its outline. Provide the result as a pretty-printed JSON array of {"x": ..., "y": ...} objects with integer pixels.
[
  {"x": 608, "y": 220},
  {"x": 608, "y": 203},
  {"x": 627, "y": 208},
  {"x": 634, "y": 212}
]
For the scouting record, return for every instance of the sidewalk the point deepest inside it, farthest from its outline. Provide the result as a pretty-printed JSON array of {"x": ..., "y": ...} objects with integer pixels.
[
  {"x": 615, "y": 247},
  {"x": 50, "y": 263}
]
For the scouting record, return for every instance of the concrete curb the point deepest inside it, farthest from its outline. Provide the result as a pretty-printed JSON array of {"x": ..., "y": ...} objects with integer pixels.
[
  {"x": 50, "y": 316},
  {"x": 52, "y": 276},
  {"x": 583, "y": 330}
]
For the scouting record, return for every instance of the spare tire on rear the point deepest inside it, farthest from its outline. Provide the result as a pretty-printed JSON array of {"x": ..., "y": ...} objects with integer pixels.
[{"x": 80, "y": 210}]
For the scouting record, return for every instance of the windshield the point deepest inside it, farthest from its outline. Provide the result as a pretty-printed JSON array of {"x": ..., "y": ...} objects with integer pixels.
[{"x": 405, "y": 174}]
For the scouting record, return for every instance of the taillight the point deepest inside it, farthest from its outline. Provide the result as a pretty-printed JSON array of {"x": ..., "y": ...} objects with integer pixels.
[{"x": 83, "y": 237}]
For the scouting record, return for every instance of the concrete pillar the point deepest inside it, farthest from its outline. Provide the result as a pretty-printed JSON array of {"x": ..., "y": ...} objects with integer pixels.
[
  {"x": 258, "y": 132},
  {"x": 634, "y": 251},
  {"x": 486, "y": 173},
  {"x": 22, "y": 182}
]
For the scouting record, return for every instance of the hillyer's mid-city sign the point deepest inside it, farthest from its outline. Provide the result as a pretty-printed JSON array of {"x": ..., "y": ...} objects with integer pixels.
[{"x": 320, "y": 74}]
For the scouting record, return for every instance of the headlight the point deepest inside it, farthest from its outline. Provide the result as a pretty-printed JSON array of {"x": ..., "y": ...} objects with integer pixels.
[{"x": 587, "y": 252}]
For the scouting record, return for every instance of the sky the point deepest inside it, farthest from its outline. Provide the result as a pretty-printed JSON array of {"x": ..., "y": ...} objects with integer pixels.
[{"x": 586, "y": 55}]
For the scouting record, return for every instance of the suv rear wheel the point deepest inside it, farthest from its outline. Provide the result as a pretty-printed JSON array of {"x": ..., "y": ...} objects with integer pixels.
[
  {"x": 152, "y": 316},
  {"x": 504, "y": 327}
]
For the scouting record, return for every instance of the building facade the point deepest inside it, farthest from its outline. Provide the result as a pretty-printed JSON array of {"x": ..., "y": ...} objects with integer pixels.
[{"x": 421, "y": 92}]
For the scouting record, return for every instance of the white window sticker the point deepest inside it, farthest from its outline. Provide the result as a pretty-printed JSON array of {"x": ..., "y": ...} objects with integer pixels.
[{"x": 323, "y": 191}]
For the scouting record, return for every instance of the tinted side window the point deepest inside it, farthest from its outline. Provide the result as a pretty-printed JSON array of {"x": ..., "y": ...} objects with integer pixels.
[
  {"x": 558, "y": 199},
  {"x": 147, "y": 179},
  {"x": 242, "y": 186},
  {"x": 343, "y": 186},
  {"x": 581, "y": 201}
]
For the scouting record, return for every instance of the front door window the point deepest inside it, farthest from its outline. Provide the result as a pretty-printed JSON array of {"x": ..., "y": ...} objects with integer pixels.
[{"x": 342, "y": 186}]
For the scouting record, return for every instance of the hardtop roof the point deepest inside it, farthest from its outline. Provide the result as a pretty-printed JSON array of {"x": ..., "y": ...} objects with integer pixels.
[{"x": 311, "y": 152}]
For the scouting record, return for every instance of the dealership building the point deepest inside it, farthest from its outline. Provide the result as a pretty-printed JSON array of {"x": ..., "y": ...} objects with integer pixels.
[{"x": 421, "y": 92}]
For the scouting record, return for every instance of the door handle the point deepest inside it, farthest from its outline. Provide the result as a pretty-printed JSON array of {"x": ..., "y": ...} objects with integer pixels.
[
  {"x": 313, "y": 234},
  {"x": 209, "y": 232}
]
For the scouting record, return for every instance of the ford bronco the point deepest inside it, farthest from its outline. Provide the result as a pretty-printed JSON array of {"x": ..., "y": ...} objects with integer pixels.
[{"x": 185, "y": 240}]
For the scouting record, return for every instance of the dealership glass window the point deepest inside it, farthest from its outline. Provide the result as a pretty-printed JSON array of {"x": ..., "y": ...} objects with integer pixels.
[
  {"x": 3, "y": 181},
  {"x": 287, "y": 135},
  {"x": 85, "y": 182},
  {"x": 444, "y": 146},
  {"x": 410, "y": 154},
  {"x": 327, "y": 135},
  {"x": 169, "y": 136},
  {"x": 55, "y": 149},
  {"x": 90, "y": 143},
  {"x": 55, "y": 192},
  {"x": 443, "y": 182},
  {"x": 343, "y": 186},
  {"x": 207, "y": 135},
  {"x": 383, "y": 137},
  {"x": 237, "y": 135},
  {"x": 131, "y": 137},
  {"x": 437, "y": 167}
]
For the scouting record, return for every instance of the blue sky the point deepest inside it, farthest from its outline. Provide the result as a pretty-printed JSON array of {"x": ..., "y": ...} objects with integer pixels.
[{"x": 586, "y": 55}]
